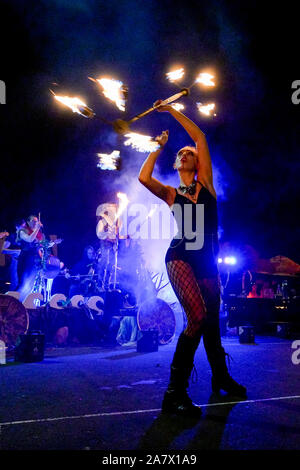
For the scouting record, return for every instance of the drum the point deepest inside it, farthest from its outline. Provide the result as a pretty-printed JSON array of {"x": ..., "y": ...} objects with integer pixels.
[
  {"x": 157, "y": 314},
  {"x": 14, "y": 319},
  {"x": 52, "y": 267}
]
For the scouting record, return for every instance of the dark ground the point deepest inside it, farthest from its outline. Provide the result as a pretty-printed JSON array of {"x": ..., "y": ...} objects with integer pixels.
[{"x": 109, "y": 399}]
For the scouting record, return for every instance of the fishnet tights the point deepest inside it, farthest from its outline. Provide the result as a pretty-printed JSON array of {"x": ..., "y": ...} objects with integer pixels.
[{"x": 200, "y": 298}]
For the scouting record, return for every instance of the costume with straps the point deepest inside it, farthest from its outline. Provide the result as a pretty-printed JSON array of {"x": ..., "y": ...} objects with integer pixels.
[{"x": 204, "y": 260}]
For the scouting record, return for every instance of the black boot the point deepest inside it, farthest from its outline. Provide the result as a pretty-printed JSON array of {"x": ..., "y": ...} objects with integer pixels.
[
  {"x": 221, "y": 379},
  {"x": 176, "y": 399}
]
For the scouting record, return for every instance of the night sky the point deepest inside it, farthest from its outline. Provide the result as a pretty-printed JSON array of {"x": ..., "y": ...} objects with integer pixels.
[{"x": 48, "y": 154}]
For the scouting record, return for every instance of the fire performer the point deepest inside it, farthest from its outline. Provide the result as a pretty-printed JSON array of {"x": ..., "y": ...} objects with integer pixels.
[
  {"x": 29, "y": 234},
  {"x": 193, "y": 273}
]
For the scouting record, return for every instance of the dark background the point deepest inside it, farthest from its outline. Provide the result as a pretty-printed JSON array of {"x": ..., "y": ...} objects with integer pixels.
[{"x": 48, "y": 154}]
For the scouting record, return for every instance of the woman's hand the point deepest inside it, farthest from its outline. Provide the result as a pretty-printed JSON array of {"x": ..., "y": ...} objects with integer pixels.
[
  {"x": 161, "y": 109},
  {"x": 38, "y": 225},
  {"x": 162, "y": 139}
]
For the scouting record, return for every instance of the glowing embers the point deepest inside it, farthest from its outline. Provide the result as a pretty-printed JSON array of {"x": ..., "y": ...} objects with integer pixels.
[
  {"x": 206, "y": 109},
  {"x": 175, "y": 75},
  {"x": 75, "y": 104},
  {"x": 114, "y": 90},
  {"x": 109, "y": 161},
  {"x": 140, "y": 142},
  {"x": 205, "y": 79}
]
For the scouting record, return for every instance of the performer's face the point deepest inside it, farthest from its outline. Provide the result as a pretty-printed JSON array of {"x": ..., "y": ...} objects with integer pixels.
[
  {"x": 33, "y": 222},
  {"x": 186, "y": 159},
  {"x": 90, "y": 254}
]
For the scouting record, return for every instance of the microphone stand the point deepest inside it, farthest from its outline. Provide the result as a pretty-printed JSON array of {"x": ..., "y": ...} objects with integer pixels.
[{"x": 116, "y": 254}]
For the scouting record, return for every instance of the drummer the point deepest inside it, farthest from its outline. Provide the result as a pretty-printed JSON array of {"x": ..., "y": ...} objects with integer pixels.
[
  {"x": 83, "y": 273},
  {"x": 29, "y": 235}
]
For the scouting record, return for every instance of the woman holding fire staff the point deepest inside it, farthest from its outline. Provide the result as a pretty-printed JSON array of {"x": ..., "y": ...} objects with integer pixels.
[{"x": 193, "y": 273}]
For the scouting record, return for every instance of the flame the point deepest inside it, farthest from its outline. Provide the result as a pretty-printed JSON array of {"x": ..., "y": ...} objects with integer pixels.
[
  {"x": 175, "y": 75},
  {"x": 76, "y": 104},
  {"x": 122, "y": 205},
  {"x": 114, "y": 91},
  {"x": 206, "y": 108},
  {"x": 205, "y": 79},
  {"x": 108, "y": 161},
  {"x": 177, "y": 106},
  {"x": 142, "y": 143}
]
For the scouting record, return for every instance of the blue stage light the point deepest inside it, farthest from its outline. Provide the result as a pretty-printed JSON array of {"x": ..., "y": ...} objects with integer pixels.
[{"x": 230, "y": 260}]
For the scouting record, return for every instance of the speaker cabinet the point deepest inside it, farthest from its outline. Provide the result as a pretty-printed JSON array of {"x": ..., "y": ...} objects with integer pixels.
[
  {"x": 30, "y": 347},
  {"x": 246, "y": 334}
]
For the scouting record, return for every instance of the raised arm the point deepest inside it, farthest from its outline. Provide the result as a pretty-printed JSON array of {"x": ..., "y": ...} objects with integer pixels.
[
  {"x": 145, "y": 176},
  {"x": 29, "y": 238},
  {"x": 204, "y": 172}
]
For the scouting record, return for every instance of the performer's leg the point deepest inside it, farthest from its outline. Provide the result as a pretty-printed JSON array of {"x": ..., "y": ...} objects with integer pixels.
[
  {"x": 188, "y": 292},
  {"x": 186, "y": 288},
  {"x": 216, "y": 354}
]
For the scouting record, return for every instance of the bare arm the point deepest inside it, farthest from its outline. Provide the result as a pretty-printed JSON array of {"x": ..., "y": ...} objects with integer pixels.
[
  {"x": 204, "y": 172},
  {"x": 32, "y": 236},
  {"x": 145, "y": 176}
]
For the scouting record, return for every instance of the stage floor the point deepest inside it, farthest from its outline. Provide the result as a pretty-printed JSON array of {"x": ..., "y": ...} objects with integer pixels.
[{"x": 91, "y": 398}]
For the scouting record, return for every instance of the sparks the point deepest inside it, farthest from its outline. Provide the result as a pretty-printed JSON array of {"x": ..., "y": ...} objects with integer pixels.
[
  {"x": 205, "y": 79},
  {"x": 76, "y": 104},
  {"x": 122, "y": 205},
  {"x": 142, "y": 143},
  {"x": 175, "y": 75},
  {"x": 177, "y": 106},
  {"x": 206, "y": 108},
  {"x": 114, "y": 90},
  {"x": 108, "y": 161}
]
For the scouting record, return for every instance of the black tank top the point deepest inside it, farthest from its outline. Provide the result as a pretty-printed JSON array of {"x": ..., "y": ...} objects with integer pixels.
[{"x": 203, "y": 259}]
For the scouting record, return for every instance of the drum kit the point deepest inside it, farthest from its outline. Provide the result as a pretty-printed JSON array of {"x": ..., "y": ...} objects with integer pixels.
[
  {"x": 50, "y": 267},
  {"x": 14, "y": 319},
  {"x": 127, "y": 287},
  {"x": 126, "y": 292}
]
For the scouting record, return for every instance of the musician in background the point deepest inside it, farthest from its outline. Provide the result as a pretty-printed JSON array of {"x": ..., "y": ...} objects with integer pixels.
[
  {"x": 9, "y": 253},
  {"x": 107, "y": 232},
  {"x": 83, "y": 273},
  {"x": 267, "y": 291},
  {"x": 3, "y": 236},
  {"x": 254, "y": 293},
  {"x": 4, "y": 269},
  {"x": 29, "y": 235}
]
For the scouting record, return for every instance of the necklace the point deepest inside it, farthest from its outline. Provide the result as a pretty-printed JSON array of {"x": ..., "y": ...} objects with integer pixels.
[{"x": 190, "y": 189}]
